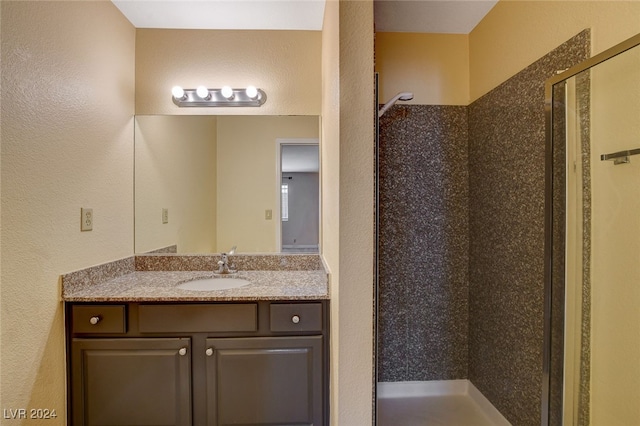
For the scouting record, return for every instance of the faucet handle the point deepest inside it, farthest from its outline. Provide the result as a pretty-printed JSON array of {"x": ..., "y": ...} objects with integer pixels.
[{"x": 232, "y": 251}]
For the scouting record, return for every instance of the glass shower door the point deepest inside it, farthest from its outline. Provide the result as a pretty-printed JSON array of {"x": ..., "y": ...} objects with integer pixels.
[
  {"x": 615, "y": 241},
  {"x": 593, "y": 242}
]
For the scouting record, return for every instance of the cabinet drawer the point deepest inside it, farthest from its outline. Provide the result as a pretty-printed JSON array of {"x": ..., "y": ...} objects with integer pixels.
[
  {"x": 296, "y": 317},
  {"x": 98, "y": 319},
  {"x": 196, "y": 318}
]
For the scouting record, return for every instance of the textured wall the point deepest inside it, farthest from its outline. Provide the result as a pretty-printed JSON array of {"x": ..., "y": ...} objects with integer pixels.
[
  {"x": 506, "y": 192},
  {"x": 424, "y": 241},
  {"x": 285, "y": 64},
  {"x": 67, "y": 142},
  {"x": 515, "y": 33},
  {"x": 434, "y": 67}
]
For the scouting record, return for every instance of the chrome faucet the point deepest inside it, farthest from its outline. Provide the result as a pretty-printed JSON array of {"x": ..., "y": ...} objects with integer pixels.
[{"x": 223, "y": 264}]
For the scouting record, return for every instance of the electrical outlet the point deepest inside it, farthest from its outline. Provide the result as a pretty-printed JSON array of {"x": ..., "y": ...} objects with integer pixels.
[
  {"x": 268, "y": 214},
  {"x": 165, "y": 215},
  {"x": 86, "y": 219}
]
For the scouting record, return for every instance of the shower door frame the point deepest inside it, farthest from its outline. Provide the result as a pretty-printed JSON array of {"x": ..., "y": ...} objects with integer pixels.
[{"x": 549, "y": 217}]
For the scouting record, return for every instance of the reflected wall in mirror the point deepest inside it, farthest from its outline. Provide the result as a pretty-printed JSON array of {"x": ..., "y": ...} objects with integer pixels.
[
  {"x": 593, "y": 339},
  {"x": 206, "y": 183}
]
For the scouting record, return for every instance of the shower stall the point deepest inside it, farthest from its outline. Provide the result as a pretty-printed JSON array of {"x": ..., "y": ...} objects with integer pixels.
[
  {"x": 592, "y": 353},
  {"x": 422, "y": 266},
  {"x": 517, "y": 279}
]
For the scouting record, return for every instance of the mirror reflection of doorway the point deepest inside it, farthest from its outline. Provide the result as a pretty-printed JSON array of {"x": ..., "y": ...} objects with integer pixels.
[{"x": 299, "y": 196}]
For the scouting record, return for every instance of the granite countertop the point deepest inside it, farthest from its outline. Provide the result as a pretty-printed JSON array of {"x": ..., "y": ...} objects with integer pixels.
[
  {"x": 129, "y": 281},
  {"x": 161, "y": 286}
]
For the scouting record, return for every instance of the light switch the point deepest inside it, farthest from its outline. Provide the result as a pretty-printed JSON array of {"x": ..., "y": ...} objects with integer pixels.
[
  {"x": 165, "y": 215},
  {"x": 268, "y": 214}
]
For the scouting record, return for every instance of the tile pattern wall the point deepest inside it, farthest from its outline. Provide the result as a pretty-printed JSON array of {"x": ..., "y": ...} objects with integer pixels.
[
  {"x": 506, "y": 187},
  {"x": 423, "y": 278},
  {"x": 241, "y": 262},
  {"x": 583, "y": 89}
]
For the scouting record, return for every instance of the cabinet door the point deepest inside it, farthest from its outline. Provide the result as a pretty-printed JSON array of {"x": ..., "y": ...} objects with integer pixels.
[
  {"x": 264, "y": 381},
  {"x": 131, "y": 382}
]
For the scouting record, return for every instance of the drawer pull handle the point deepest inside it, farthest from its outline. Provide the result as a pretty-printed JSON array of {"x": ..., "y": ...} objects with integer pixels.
[
  {"x": 295, "y": 319},
  {"x": 182, "y": 351},
  {"x": 94, "y": 320},
  {"x": 209, "y": 352}
]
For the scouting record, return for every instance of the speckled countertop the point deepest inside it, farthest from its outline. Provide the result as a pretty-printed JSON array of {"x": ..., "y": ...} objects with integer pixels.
[{"x": 133, "y": 280}]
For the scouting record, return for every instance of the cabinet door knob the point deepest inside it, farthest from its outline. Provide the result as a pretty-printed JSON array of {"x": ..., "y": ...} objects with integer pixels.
[
  {"x": 94, "y": 320},
  {"x": 182, "y": 351},
  {"x": 209, "y": 351},
  {"x": 295, "y": 319}
]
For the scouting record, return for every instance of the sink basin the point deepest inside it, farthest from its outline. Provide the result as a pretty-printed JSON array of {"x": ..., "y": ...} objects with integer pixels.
[{"x": 208, "y": 284}]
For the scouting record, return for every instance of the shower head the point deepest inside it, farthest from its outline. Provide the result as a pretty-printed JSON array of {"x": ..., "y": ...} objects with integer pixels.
[{"x": 402, "y": 96}]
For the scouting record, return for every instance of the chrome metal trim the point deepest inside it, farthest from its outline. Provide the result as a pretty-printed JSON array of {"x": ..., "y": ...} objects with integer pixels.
[
  {"x": 239, "y": 99},
  {"x": 620, "y": 157},
  {"x": 548, "y": 253},
  {"x": 376, "y": 250},
  {"x": 595, "y": 60}
]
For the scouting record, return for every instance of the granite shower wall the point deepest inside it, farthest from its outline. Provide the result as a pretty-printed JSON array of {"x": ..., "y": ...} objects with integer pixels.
[
  {"x": 424, "y": 244},
  {"x": 506, "y": 222}
]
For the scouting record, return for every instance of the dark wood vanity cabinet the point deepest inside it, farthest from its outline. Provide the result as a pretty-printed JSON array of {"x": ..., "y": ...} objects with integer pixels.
[
  {"x": 131, "y": 382},
  {"x": 213, "y": 364},
  {"x": 270, "y": 381}
]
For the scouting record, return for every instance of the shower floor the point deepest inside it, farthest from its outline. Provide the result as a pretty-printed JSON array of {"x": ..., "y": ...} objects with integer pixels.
[
  {"x": 456, "y": 408},
  {"x": 450, "y": 410}
]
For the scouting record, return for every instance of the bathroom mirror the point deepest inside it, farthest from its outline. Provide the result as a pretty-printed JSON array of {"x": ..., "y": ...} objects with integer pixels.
[
  {"x": 206, "y": 183},
  {"x": 592, "y": 336}
]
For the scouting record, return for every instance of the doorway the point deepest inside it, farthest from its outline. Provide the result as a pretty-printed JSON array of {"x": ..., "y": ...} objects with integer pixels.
[{"x": 298, "y": 195}]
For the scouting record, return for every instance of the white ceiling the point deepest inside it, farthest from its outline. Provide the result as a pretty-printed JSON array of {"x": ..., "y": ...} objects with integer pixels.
[
  {"x": 224, "y": 14},
  {"x": 430, "y": 16},
  {"x": 425, "y": 16}
]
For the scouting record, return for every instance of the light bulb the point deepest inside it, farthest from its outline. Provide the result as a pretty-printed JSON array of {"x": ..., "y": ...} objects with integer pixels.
[
  {"x": 251, "y": 92},
  {"x": 203, "y": 92},
  {"x": 227, "y": 92},
  {"x": 177, "y": 92}
]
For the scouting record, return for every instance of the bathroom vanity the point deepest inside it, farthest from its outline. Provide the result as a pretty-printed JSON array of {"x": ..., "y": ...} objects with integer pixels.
[{"x": 256, "y": 355}]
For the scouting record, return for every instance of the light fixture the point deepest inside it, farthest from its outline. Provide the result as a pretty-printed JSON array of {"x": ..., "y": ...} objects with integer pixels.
[
  {"x": 251, "y": 92},
  {"x": 227, "y": 92},
  {"x": 178, "y": 92},
  {"x": 203, "y": 92},
  {"x": 224, "y": 97}
]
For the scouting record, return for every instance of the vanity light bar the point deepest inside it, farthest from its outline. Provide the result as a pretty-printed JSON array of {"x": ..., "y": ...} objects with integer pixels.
[{"x": 224, "y": 97}]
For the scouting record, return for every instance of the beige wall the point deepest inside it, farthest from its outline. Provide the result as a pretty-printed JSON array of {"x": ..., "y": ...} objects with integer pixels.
[
  {"x": 175, "y": 168},
  {"x": 516, "y": 33},
  {"x": 330, "y": 178},
  {"x": 67, "y": 142},
  {"x": 456, "y": 69},
  {"x": 285, "y": 64},
  {"x": 434, "y": 67},
  {"x": 615, "y": 243},
  {"x": 1, "y": 85},
  {"x": 347, "y": 174},
  {"x": 247, "y": 182}
]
